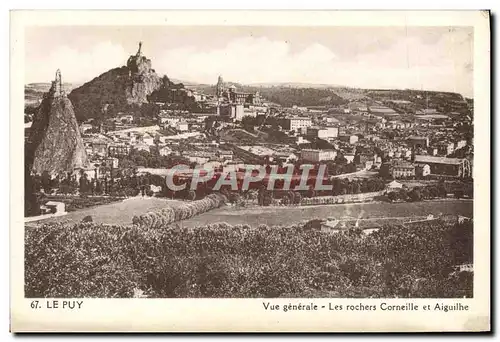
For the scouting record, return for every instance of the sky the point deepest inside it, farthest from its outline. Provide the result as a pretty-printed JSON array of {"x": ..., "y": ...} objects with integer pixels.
[{"x": 429, "y": 58}]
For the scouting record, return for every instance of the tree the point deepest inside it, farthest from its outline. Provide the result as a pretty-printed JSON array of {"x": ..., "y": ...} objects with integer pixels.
[
  {"x": 31, "y": 203},
  {"x": 392, "y": 196},
  {"x": 46, "y": 181},
  {"x": 340, "y": 159},
  {"x": 403, "y": 194},
  {"x": 442, "y": 192},
  {"x": 356, "y": 188},
  {"x": 98, "y": 187},
  {"x": 459, "y": 193},
  {"x": 149, "y": 110},
  {"x": 415, "y": 195},
  {"x": 84, "y": 184},
  {"x": 350, "y": 168},
  {"x": 248, "y": 123}
]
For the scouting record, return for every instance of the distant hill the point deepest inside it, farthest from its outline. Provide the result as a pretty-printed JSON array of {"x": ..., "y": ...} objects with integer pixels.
[
  {"x": 43, "y": 87},
  {"x": 289, "y": 97},
  {"x": 137, "y": 83},
  {"x": 294, "y": 85},
  {"x": 188, "y": 84},
  {"x": 33, "y": 92},
  {"x": 284, "y": 95},
  {"x": 443, "y": 102}
]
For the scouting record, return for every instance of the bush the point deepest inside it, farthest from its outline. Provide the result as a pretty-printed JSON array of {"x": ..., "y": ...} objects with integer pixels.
[
  {"x": 87, "y": 219},
  {"x": 459, "y": 193},
  {"x": 166, "y": 216},
  {"x": 414, "y": 195},
  {"x": 131, "y": 192},
  {"x": 392, "y": 196}
]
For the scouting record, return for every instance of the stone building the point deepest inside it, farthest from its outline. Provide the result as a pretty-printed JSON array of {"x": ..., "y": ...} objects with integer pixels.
[
  {"x": 229, "y": 94},
  {"x": 397, "y": 169},
  {"x": 443, "y": 166}
]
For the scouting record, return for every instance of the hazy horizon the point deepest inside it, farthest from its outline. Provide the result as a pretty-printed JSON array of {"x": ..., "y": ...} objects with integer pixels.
[{"x": 420, "y": 58}]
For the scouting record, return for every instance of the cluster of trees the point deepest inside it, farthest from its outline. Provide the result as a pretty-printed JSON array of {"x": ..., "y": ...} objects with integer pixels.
[
  {"x": 122, "y": 183},
  {"x": 268, "y": 128},
  {"x": 440, "y": 190},
  {"x": 31, "y": 195},
  {"x": 345, "y": 186},
  {"x": 249, "y": 122},
  {"x": 68, "y": 184},
  {"x": 443, "y": 101},
  {"x": 340, "y": 187},
  {"x": 29, "y": 113},
  {"x": 65, "y": 184},
  {"x": 146, "y": 110},
  {"x": 219, "y": 260},
  {"x": 149, "y": 159},
  {"x": 463, "y": 152},
  {"x": 174, "y": 93},
  {"x": 340, "y": 166}
]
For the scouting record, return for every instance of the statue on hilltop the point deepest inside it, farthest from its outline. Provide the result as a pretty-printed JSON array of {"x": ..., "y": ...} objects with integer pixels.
[
  {"x": 139, "y": 51},
  {"x": 138, "y": 63}
]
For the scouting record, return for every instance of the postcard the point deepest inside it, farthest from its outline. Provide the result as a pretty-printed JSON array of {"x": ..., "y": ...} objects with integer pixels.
[{"x": 250, "y": 171}]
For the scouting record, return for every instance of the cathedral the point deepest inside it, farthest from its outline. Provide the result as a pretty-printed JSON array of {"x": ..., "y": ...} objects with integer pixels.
[{"x": 230, "y": 95}]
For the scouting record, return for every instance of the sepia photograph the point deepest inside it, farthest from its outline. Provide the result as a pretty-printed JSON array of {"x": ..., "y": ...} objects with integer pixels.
[{"x": 230, "y": 161}]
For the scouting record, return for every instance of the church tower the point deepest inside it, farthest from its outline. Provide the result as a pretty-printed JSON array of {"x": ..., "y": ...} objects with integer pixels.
[
  {"x": 58, "y": 90},
  {"x": 220, "y": 87}
]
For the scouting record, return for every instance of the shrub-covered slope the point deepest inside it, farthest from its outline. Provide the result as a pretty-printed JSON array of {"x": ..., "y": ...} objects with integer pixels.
[{"x": 89, "y": 260}]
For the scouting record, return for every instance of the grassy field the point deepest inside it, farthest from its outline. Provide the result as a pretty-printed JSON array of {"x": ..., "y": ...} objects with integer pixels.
[
  {"x": 291, "y": 215},
  {"x": 115, "y": 213},
  {"x": 122, "y": 212}
]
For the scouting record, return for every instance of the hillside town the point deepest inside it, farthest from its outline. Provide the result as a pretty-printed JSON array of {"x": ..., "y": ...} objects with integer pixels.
[
  {"x": 160, "y": 187},
  {"x": 395, "y": 139},
  {"x": 246, "y": 129}
]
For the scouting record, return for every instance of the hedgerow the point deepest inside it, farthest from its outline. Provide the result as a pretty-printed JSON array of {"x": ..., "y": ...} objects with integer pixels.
[
  {"x": 219, "y": 260},
  {"x": 163, "y": 217}
]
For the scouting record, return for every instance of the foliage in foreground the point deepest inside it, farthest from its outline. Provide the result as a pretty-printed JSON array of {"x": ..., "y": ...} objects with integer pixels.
[{"x": 91, "y": 260}]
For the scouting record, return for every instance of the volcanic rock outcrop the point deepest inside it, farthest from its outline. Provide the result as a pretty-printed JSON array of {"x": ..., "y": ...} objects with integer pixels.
[
  {"x": 144, "y": 79},
  {"x": 55, "y": 144},
  {"x": 116, "y": 89}
]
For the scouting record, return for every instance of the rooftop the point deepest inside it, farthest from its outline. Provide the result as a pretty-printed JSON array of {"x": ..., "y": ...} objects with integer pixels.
[
  {"x": 437, "y": 160},
  {"x": 258, "y": 150},
  {"x": 381, "y": 109},
  {"x": 431, "y": 116},
  {"x": 298, "y": 118},
  {"x": 403, "y": 165},
  {"x": 315, "y": 150}
]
